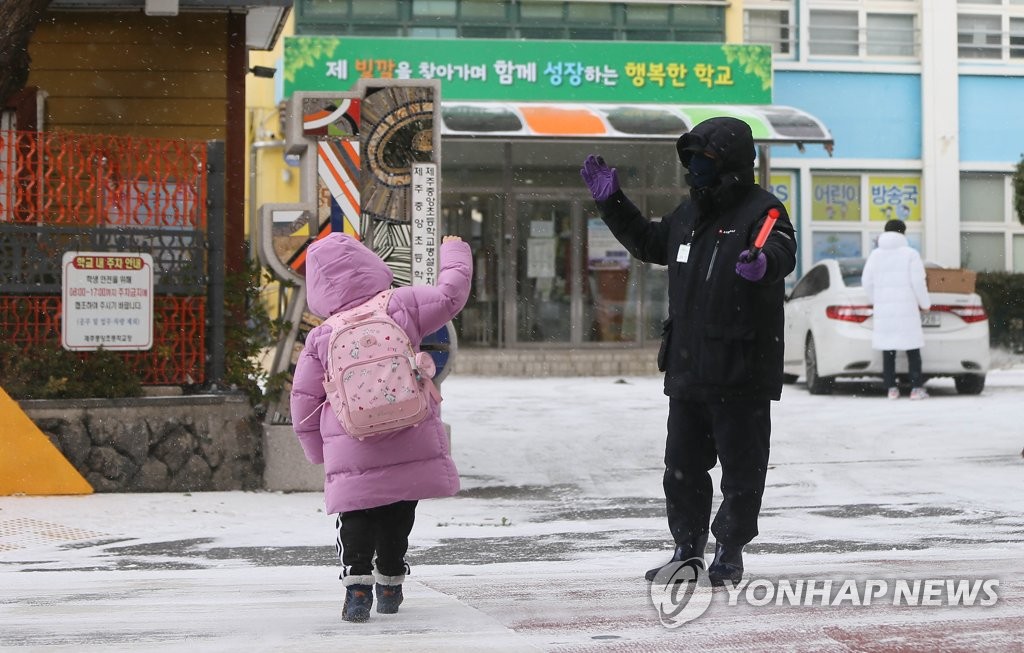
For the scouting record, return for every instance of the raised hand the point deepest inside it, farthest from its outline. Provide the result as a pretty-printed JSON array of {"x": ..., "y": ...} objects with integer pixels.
[{"x": 601, "y": 180}]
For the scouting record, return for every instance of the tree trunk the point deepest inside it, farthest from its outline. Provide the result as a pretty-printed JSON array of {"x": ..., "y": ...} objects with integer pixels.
[{"x": 18, "y": 21}]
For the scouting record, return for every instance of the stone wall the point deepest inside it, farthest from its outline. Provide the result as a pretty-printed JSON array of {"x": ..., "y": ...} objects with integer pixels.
[
  {"x": 157, "y": 444},
  {"x": 556, "y": 362}
]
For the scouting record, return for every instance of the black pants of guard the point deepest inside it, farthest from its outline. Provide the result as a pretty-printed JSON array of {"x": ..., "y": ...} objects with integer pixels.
[
  {"x": 383, "y": 531},
  {"x": 913, "y": 367},
  {"x": 699, "y": 433}
]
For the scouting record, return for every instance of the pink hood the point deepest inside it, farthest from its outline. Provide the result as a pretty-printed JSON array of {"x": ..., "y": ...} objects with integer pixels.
[{"x": 349, "y": 274}]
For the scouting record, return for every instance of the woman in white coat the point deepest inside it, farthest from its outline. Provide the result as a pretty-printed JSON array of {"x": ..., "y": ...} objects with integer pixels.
[{"x": 894, "y": 281}]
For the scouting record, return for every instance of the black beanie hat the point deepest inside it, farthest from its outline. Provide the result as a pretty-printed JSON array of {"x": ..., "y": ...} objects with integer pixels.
[{"x": 898, "y": 226}]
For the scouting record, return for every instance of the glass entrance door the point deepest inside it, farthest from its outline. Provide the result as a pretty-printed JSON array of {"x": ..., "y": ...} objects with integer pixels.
[
  {"x": 477, "y": 218},
  {"x": 546, "y": 258},
  {"x": 573, "y": 282}
]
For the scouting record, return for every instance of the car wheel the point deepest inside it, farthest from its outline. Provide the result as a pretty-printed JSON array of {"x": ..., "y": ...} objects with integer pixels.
[
  {"x": 969, "y": 384},
  {"x": 816, "y": 385}
]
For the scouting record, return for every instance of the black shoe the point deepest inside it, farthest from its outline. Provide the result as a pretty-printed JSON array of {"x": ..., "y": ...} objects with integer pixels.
[
  {"x": 683, "y": 552},
  {"x": 358, "y": 600},
  {"x": 727, "y": 565},
  {"x": 389, "y": 597}
]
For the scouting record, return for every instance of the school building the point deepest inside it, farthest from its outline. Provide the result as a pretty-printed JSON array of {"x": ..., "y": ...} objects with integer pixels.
[{"x": 864, "y": 110}]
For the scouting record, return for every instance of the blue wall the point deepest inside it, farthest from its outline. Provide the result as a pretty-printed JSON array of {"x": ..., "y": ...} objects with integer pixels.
[
  {"x": 991, "y": 118},
  {"x": 870, "y": 115}
]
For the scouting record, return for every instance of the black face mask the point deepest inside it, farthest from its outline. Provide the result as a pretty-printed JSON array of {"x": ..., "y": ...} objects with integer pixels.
[{"x": 702, "y": 171}]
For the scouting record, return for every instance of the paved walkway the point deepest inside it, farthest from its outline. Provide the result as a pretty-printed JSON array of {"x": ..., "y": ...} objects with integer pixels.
[{"x": 545, "y": 548}]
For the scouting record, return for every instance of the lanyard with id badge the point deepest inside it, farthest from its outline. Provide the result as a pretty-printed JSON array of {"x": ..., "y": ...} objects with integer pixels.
[{"x": 683, "y": 255}]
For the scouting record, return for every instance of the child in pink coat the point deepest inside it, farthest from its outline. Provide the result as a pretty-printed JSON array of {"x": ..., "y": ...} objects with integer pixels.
[{"x": 373, "y": 484}]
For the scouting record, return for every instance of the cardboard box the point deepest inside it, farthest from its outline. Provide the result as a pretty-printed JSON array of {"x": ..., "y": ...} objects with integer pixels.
[{"x": 950, "y": 280}]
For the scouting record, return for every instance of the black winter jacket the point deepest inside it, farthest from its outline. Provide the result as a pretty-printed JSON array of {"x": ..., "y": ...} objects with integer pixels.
[{"x": 724, "y": 335}]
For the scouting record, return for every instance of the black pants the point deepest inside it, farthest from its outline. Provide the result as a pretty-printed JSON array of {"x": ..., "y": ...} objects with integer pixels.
[
  {"x": 383, "y": 530},
  {"x": 734, "y": 432},
  {"x": 913, "y": 366}
]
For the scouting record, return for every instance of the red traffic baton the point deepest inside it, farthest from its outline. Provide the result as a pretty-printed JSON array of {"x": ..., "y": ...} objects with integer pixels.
[{"x": 762, "y": 236}]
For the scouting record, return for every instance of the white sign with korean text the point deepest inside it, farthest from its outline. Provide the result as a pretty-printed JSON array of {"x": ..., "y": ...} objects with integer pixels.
[
  {"x": 107, "y": 301},
  {"x": 604, "y": 252},
  {"x": 540, "y": 258},
  {"x": 425, "y": 207}
]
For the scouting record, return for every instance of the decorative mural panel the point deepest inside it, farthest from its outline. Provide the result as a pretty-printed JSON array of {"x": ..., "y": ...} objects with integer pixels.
[{"x": 358, "y": 149}]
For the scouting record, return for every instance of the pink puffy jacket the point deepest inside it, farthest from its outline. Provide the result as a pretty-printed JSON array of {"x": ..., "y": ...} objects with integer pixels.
[{"x": 410, "y": 464}]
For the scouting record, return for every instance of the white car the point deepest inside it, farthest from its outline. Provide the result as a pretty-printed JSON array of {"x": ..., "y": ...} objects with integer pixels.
[{"x": 828, "y": 332}]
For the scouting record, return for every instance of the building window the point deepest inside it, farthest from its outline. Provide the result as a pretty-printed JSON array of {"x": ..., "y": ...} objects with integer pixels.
[
  {"x": 979, "y": 37},
  {"x": 982, "y": 197},
  {"x": 698, "y": 23},
  {"x": 771, "y": 26},
  {"x": 514, "y": 19},
  {"x": 992, "y": 30},
  {"x": 540, "y": 11},
  {"x": 849, "y": 210},
  {"x": 982, "y": 251},
  {"x": 326, "y": 7},
  {"x": 647, "y": 15},
  {"x": 380, "y": 9},
  {"x": 433, "y": 32},
  {"x": 591, "y": 13},
  {"x": 991, "y": 238},
  {"x": 859, "y": 33},
  {"x": 434, "y": 8},
  {"x": 1018, "y": 253},
  {"x": 890, "y": 35},
  {"x": 1017, "y": 38},
  {"x": 483, "y": 10},
  {"x": 834, "y": 33}
]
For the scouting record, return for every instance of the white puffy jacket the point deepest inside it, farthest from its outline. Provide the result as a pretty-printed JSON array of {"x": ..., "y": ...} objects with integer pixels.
[{"x": 894, "y": 281}]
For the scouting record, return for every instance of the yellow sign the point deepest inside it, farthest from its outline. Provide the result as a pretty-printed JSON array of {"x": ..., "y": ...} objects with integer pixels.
[
  {"x": 29, "y": 463},
  {"x": 782, "y": 187},
  {"x": 835, "y": 198},
  {"x": 895, "y": 198}
]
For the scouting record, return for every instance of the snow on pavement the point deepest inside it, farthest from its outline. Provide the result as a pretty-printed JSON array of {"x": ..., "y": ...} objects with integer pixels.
[{"x": 544, "y": 550}]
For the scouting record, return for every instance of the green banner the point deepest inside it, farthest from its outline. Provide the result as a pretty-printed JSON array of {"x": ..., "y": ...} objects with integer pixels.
[{"x": 550, "y": 71}]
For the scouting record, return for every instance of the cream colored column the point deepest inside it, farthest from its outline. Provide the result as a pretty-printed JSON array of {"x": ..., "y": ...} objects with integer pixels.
[
  {"x": 940, "y": 132},
  {"x": 734, "y": 22}
]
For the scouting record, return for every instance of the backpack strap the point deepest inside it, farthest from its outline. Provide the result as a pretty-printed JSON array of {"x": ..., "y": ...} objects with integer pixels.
[{"x": 378, "y": 305}]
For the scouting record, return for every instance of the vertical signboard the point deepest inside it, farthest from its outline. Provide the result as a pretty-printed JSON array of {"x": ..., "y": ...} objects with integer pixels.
[
  {"x": 424, "y": 224},
  {"x": 107, "y": 301}
]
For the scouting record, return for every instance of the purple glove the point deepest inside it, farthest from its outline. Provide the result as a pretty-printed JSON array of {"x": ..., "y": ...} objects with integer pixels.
[
  {"x": 600, "y": 179},
  {"x": 754, "y": 270}
]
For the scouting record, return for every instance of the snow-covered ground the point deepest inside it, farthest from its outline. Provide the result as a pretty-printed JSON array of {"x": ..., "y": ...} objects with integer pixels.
[{"x": 545, "y": 548}]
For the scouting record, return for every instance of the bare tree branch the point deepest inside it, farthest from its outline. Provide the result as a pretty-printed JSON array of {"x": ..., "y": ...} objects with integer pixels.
[{"x": 18, "y": 21}]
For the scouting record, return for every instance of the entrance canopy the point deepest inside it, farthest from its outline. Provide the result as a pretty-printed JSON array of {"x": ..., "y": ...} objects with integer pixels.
[{"x": 771, "y": 124}]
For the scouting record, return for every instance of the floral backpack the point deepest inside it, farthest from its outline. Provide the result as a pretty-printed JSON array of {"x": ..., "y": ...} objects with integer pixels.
[{"x": 376, "y": 382}]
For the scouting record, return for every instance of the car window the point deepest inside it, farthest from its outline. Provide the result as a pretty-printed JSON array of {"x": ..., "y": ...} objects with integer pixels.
[
  {"x": 813, "y": 283},
  {"x": 851, "y": 271}
]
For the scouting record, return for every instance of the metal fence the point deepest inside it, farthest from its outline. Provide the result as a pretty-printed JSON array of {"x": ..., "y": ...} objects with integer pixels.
[{"x": 63, "y": 192}]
